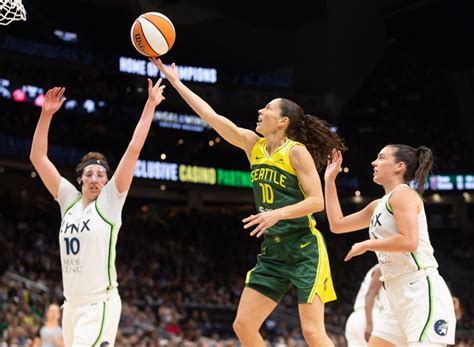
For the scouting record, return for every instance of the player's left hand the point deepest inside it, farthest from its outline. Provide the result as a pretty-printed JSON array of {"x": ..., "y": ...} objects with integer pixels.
[
  {"x": 334, "y": 166},
  {"x": 263, "y": 221},
  {"x": 357, "y": 249}
]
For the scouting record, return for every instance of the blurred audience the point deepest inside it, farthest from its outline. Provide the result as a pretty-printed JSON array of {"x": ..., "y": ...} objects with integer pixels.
[{"x": 181, "y": 274}]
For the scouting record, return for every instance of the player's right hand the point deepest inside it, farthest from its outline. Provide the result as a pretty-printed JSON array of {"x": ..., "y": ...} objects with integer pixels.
[
  {"x": 53, "y": 100},
  {"x": 171, "y": 72}
]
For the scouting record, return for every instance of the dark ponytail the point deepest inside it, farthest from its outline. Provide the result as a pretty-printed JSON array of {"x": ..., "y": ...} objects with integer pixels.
[
  {"x": 315, "y": 133},
  {"x": 418, "y": 161}
]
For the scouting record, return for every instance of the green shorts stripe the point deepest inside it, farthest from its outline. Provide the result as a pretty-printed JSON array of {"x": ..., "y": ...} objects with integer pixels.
[{"x": 101, "y": 326}]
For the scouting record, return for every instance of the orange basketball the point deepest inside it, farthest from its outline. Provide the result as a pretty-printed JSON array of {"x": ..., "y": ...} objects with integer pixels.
[{"x": 152, "y": 34}]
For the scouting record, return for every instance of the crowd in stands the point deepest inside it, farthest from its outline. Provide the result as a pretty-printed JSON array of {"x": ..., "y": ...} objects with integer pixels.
[
  {"x": 180, "y": 275},
  {"x": 180, "y": 272}
]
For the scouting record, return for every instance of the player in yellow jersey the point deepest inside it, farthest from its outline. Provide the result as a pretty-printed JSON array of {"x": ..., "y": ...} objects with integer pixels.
[{"x": 287, "y": 189}]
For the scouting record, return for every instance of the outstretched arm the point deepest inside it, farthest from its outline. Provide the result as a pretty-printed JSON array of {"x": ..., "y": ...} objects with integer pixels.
[
  {"x": 337, "y": 221},
  {"x": 126, "y": 167},
  {"x": 39, "y": 146},
  {"x": 239, "y": 137}
]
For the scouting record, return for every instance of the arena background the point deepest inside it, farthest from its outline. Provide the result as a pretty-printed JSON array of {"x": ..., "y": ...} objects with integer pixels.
[{"x": 385, "y": 71}]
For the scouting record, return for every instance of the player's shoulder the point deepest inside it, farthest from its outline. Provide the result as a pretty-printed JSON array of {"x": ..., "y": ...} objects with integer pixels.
[
  {"x": 404, "y": 192},
  {"x": 297, "y": 149},
  {"x": 110, "y": 187},
  {"x": 299, "y": 157},
  {"x": 404, "y": 196}
]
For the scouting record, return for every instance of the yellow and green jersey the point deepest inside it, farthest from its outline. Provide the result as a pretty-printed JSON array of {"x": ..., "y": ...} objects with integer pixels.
[{"x": 276, "y": 185}]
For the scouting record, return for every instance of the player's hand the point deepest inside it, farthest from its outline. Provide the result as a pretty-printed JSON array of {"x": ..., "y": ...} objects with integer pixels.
[
  {"x": 53, "y": 100},
  {"x": 263, "y": 221},
  {"x": 334, "y": 166},
  {"x": 368, "y": 331},
  {"x": 171, "y": 72},
  {"x": 358, "y": 248},
  {"x": 155, "y": 92}
]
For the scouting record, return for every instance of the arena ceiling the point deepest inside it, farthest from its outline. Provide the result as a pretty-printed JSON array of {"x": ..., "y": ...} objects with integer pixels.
[
  {"x": 243, "y": 36},
  {"x": 256, "y": 33}
]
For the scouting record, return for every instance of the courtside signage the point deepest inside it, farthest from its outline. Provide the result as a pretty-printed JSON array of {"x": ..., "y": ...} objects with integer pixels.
[{"x": 165, "y": 171}]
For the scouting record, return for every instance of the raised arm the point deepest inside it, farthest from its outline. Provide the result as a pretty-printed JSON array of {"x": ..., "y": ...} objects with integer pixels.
[
  {"x": 310, "y": 182},
  {"x": 126, "y": 167},
  {"x": 39, "y": 146},
  {"x": 239, "y": 137},
  {"x": 337, "y": 221}
]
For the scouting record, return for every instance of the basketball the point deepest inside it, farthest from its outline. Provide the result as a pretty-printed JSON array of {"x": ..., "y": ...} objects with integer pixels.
[{"x": 152, "y": 34}]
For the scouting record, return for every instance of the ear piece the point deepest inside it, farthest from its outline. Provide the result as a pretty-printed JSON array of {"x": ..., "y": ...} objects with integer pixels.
[{"x": 79, "y": 181}]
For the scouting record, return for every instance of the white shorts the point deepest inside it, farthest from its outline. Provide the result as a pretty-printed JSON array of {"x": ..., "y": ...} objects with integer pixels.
[
  {"x": 356, "y": 323},
  {"x": 389, "y": 329},
  {"x": 423, "y": 307},
  {"x": 92, "y": 324}
]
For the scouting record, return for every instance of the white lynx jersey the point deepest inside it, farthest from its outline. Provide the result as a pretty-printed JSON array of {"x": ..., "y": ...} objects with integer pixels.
[
  {"x": 382, "y": 225},
  {"x": 380, "y": 300},
  {"x": 87, "y": 239}
]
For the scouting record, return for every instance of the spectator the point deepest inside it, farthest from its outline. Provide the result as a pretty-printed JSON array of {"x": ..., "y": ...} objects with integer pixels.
[{"x": 50, "y": 334}]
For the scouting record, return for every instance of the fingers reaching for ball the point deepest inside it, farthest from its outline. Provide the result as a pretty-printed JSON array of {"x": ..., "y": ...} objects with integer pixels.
[
  {"x": 169, "y": 71},
  {"x": 155, "y": 92}
]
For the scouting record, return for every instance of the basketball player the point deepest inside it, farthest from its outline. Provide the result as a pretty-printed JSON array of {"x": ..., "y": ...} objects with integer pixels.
[
  {"x": 369, "y": 305},
  {"x": 287, "y": 191},
  {"x": 419, "y": 298},
  {"x": 91, "y": 219}
]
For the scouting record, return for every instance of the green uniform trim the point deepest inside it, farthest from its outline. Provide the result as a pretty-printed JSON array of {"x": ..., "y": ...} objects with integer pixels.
[
  {"x": 101, "y": 326},
  {"x": 417, "y": 262},
  {"x": 112, "y": 228},
  {"x": 387, "y": 205},
  {"x": 430, "y": 312},
  {"x": 72, "y": 204}
]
